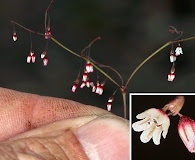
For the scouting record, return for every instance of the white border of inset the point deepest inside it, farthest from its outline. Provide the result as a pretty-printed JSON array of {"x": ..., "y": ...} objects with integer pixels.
[{"x": 148, "y": 94}]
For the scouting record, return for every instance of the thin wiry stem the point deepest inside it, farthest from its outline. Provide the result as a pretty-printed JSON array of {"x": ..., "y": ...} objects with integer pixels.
[
  {"x": 124, "y": 104},
  {"x": 111, "y": 68},
  {"x": 153, "y": 54},
  {"x": 70, "y": 51},
  {"x": 47, "y": 17},
  {"x": 85, "y": 58},
  {"x": 13, "y": 22},
  {"x": 147, "y": 59},
  {"x": 90, "y": 44},
  {"x": 122, "y": 88}
]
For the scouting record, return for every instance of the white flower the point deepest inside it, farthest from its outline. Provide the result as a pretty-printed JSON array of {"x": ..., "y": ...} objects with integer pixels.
[
  {"x": 173, "y": 57},
  {"x": 178, "y": 50},
  {"x": 89, "y": 67},
  {"x": 154, "y": 122},
  {"x": 171, "y": 77}
]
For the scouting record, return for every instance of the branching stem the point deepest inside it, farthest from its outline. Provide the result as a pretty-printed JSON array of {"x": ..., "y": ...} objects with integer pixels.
[{"x": 97, "y": 65}]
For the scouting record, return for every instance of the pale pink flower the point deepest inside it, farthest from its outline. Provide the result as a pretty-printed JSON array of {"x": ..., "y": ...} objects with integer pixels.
[
  {"x": 15, "y": 37},
  {"x": 178, "y": 50},
  {"x": 74, "y": 87},
  {"x": 186, "y": 130},
  {"x": 85, "y": 76},
  {"x": 173, "y": 57},
  {"x": 45, "y": 61},
  {"x": 89, "y": 67},
  {"x": 109, "y": 104},
  {"x": 154, "y": 122}
]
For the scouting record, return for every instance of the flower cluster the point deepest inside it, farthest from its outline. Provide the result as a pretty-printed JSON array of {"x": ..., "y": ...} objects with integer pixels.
[
  {"x": 173, "y": 57},
  {"x": 97, "y": 87},
  {"x": 31, "y": 58},
  {"x": 156, "y": 121}
]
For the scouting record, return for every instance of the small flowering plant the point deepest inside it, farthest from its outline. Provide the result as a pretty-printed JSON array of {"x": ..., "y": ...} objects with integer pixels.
[
  {"x": 155, "y": 122},
  {"x": 91, "y": 68}
]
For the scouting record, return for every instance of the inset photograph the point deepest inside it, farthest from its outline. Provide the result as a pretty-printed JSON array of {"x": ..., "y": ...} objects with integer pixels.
[{"x": 162, "y": 126}]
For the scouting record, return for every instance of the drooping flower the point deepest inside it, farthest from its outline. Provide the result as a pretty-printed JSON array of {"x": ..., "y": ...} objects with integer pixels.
[
  {"x": 31, "y": 57},
  {"x": 15, "y": 37},
  {"x": 75, "y": 85},
  {"x": 154, "y": 122},
  {"x": 173, "y": 57},
  {"x": 171, "y": 75},
  {"x": 178, "y": 50},
  {"x": 186, "y": 130},
  {"x": 109, "y": 104},
  {"x": 89, "y": 67},
  {"x": 43, "y": 54},
  {"x": 45, "y": 61},
  {"x": 84, "y": 76},
  {"x": 99, "y": 88}
]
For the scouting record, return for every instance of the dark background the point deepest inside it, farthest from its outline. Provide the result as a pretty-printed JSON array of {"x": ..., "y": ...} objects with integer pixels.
[
  {"x": 130, "y": 29},
  {"x": 172, "y": 146}
]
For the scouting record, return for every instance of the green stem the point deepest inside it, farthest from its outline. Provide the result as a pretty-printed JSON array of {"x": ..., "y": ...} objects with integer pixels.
[
  {"x": 153, "y": 54},
  {"x": 124, "y": 104}
]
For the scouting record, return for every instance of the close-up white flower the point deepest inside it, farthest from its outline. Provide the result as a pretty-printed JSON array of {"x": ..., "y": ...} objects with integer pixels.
[{"x": 153, "y": 123}]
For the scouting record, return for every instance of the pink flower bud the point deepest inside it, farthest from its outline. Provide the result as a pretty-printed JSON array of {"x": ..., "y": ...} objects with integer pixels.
[
  {"x": 48, "y": 33},
  {"x": 28, "y": 60},
  {"x": 43, "y": 54},
  {"x": 178, "y": 50},
  {"x": 45, "y": 61},
  {"x": 89, "y": 67},
  {"x": 15, "y": 36},
  {"x": 94, "y": 88},
  {"x": 83, "y": 85},
  {"x": 186, "y": 130},
  {"x": 74, "y": 87},
  {"x": 171, "y": 77},
  {"x": 172, "y": 58},
  {"x": 109, "y": 104},
  {"x": 101, "y": 89},
  {"x": 84, "y": 76},
  {"x": 174, "y": 106},
  {"x": 33, "y": 58}
]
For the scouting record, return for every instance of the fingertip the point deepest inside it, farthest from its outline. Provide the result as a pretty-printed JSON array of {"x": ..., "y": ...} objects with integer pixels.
[{"x": 106, "y": 137}]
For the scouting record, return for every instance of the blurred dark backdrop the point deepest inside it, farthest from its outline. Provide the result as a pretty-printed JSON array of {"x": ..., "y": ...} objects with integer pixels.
[{"x": 130, "y": 29}]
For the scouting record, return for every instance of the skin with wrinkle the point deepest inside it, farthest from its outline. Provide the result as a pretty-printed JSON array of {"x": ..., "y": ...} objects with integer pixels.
[
  {"x": 61, "y": 133},
  {"x": 22, "y": 112}
]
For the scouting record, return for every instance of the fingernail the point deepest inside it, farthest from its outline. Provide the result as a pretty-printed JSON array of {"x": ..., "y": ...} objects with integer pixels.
[{"x": 105, "y": 138}]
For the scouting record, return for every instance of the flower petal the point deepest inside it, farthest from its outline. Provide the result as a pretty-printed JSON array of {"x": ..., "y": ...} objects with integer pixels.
[
  {"x": 157, "y": 135},
  {"x": 142, "y": 125},
  {"x": 148, "y": 113},
  {"x": 165, "y": 126},
  {"x": 147, "y": 134}
]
